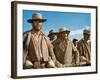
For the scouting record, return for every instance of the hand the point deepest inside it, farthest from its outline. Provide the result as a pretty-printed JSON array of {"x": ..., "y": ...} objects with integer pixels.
[
  {"x": 88, "y": 62},
  {"x": 83, "y": 58},
  {"x": 36, "y": 64},
  {"x": 51, "y": 64},
  {"x": 28, "y": 64}
]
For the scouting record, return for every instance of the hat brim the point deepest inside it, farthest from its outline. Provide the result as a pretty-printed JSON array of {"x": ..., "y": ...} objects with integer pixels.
[
  {"x": 32, "y": 20},
  {"x": 67, "y": 31},
  {"x": 86, "y": 33}
]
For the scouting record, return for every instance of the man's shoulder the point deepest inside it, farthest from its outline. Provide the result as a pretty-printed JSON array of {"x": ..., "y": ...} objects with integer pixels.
[
  {"x": 69, "y": 41},
  {"x": 47, "y": 38},
  {"x": 57, "y": 41},
  {"x": 26, "y": 32},
  {"x": 80, "y": 41}
]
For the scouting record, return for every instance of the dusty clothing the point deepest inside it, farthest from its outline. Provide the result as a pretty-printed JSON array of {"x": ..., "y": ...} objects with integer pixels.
[
  {"x": 85, "y": 52},
  {"x": 38, "y": 50},
  {"x": 39, "y": 47},
  {"x": 75, "y": 55},
  {"x": 63, "y": 51}
]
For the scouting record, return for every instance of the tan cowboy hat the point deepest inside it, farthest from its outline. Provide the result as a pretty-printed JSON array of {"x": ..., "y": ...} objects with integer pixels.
[
  {"x": 36, "y": 17},
  {"x": 64, "y": 29},
  {"x": 86, "y": 31},
  {"x": 51, "y": 32}
]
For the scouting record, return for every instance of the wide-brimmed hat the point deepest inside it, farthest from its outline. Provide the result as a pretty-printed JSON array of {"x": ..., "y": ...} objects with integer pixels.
[
  {"x": 64, "y": 29},
  {"x": 36, "y": 17},
  {"x": 52, "y": 32},
  {"x": 86, "y": 31}
]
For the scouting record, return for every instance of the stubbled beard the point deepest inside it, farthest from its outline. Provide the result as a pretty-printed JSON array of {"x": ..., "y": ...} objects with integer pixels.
[{"x": 36, "y": 29}]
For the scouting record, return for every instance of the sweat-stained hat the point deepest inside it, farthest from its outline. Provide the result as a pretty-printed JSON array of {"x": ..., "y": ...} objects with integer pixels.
[
  {"x": 64, "y": 29},
  {"x": 36, "y": 17}
]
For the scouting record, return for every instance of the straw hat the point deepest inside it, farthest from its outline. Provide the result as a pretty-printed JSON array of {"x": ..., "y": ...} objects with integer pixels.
[
  {"x": 64, "y": 29},
  {"x": 36, "y": 17}
]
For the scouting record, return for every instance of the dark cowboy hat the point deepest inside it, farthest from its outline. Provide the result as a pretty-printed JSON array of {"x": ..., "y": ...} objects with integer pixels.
[
  {"x": 86, "y": 31},
  {"x": 36, "y": 17},
  {"x": 51, "y": 32},
  {"x": 64, "y": 29}
]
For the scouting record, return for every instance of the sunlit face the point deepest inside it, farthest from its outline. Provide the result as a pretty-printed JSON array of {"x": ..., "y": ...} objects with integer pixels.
[
  {"x": 64, "y": 34},
  {"x": 37, "y": 25}
]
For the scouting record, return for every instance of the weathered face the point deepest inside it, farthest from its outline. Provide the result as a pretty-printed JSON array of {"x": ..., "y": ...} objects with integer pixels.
[
  {"x": 52, "y": 36},
  {"x": 86, "y": 36},
  {"x": 64, "y": 34},
  {"x": 37, "y": 25}
]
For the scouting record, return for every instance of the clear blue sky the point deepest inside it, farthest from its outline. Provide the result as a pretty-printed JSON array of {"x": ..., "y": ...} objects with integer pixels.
[{"x": 76, "y": 22}]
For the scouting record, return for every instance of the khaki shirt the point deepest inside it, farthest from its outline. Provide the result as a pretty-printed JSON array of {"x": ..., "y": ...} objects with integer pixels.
[{"x": 85, "y": 52}]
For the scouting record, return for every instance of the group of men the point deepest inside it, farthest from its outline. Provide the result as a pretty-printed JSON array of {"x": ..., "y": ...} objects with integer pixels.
[{"x": 56, "y": 50}]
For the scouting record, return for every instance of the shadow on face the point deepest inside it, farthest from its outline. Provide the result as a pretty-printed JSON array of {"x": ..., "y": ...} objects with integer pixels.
[
  {"x": 86, "y": 36},
  {"x": 63, "y": 35},
  {"x": 37, "y": 25}
]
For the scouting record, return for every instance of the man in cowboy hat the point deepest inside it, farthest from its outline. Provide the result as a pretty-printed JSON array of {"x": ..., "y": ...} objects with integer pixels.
[
  {"x": 38, "y": 52},
  {"x": 84, "y": 48},
  {"x": 52, "y": 36},
  {"x": 63, "y": 48}
]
